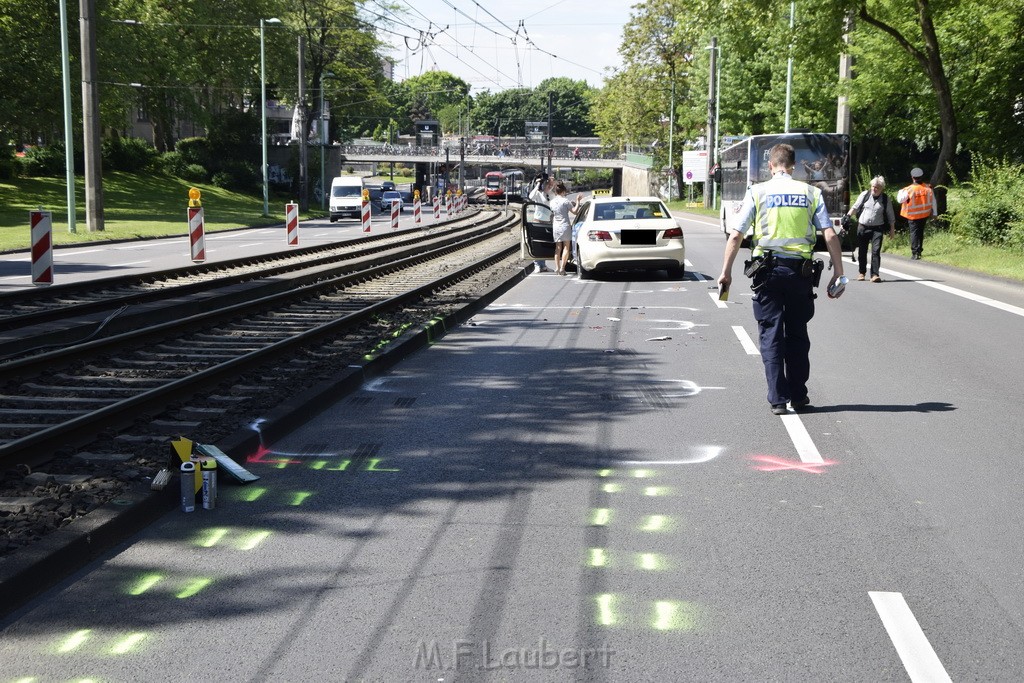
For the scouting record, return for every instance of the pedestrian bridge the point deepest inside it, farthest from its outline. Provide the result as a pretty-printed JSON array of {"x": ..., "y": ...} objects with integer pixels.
[{"x": 631, "y": 173}]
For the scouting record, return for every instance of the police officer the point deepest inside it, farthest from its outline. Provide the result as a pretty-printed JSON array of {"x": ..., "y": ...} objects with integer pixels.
[
  {"x": 917, "y": 206},
  {"x": 786, "y": 215}
]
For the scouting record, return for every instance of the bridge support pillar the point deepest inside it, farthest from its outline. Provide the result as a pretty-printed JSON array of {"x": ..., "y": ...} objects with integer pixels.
[{"x": 617, "y": 182}]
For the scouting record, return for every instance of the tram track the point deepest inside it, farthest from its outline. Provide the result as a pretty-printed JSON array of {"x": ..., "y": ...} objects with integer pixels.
[
  {"x": 86, "y": 427},
  {"x": 107, "y": 383},
  {"x": 73, "y": 313}
]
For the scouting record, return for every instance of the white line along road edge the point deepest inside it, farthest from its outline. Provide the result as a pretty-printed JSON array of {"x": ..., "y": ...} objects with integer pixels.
[
  {"x": 919, "y": 659},
  {"x": 970, "y": 296}
]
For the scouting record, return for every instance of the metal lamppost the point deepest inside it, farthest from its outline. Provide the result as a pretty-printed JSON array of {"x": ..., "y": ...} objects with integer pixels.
[
  {"x": 69, "y": 138},
  {"x": 323, "y": 142},
  {"x": 263, "y": 113},
  {"x": 671, "y": 130},
  {"x": 789, "y": 63}
]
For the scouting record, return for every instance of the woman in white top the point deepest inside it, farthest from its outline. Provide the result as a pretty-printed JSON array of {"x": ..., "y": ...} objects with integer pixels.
[{"x": 561, "y": 226}]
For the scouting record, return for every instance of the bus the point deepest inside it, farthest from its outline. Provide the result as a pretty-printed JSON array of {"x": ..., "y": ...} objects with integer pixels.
[{"x": 822, "y": 160}]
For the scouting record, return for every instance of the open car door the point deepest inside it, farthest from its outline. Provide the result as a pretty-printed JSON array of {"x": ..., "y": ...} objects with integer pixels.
[{"x": 537, "y": 240}]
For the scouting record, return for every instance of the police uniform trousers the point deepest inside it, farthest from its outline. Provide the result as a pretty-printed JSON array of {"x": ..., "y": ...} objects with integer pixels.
[
  {"x": 916, "y": 228},
  {"x": 782, "y": 307}
]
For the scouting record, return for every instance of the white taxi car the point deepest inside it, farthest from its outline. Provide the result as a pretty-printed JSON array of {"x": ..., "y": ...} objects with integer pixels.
[{"x": 613, "y": 233}]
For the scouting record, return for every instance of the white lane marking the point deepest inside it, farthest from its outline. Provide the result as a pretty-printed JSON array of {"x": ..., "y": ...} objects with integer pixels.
[
  {"x": 714, "y": 297},
  {"x": 79, "y": 251},
  {"x": 689, "y": 217},
  {"x": 919, "y": 659},
  {"x": 745, "y": 340},
  {"x": 251, "y": 244},
  {"x": 977, "y": 298},
  {"x": 134, "y": 263},
  {"x": 60, "y": 253},
  {"x": 805, "y": 448}
]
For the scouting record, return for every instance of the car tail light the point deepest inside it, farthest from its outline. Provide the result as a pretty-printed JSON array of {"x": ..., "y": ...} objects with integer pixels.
[
  {"x": 599, "y": 236},
  {"x": 673, "y": 232}
]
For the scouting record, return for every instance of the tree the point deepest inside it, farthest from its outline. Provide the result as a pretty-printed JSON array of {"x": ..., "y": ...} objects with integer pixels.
[
  {"x": 570, "y": 106},
  {"x": 436, "y": 91},
  {"x": 924, "y": 49}
]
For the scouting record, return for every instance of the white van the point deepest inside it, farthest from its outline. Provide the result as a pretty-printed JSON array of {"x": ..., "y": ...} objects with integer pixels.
[{"x": 346, "y": 197}]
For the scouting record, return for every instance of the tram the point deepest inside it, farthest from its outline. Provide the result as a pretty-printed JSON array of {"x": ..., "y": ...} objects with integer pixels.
[{"x": 504, "y": 185}]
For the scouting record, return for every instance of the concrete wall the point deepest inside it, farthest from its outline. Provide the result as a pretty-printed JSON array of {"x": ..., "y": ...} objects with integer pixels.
[{"x": 636, "y": 182}]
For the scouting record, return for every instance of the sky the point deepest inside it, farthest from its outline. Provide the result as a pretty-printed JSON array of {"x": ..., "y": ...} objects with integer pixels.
[{"x": 473, "y": 39}]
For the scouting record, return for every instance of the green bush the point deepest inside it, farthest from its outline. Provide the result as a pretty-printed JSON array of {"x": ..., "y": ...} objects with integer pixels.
[
  {"x": 194, "y": 173},
  {"x": 8, "y": 166},
  {"x": 131, "y": 155},
  {"x": 171, "y": 164},
  {"x": 223, "y": 179},
  {"x": 44, "y": 161},
  {"x": 990, "y": 207},
  {"x": 195, "y": 151},
  {"x": 239, "y": 176}
]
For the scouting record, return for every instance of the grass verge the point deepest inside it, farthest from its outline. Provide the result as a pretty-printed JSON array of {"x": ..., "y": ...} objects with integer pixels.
[{"x": 133, "y": 206}]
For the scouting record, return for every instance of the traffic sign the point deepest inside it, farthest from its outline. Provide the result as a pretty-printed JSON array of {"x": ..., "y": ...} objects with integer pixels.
[{"x": 695, "y": 166}]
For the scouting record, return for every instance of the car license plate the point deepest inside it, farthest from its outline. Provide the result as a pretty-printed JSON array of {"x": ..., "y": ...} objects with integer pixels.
[{"x": 638, "y": 237}]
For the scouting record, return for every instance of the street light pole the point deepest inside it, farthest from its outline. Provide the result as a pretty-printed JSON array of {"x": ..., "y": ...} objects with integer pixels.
[
  {"x": 69, "y": 136},
  {"x": 263, "y": 114},
  {"x": 709, "y": 184},
  {"x": 323, "y": 143},
  {"x": 789, "y": 64},
  {"x": 671, "y": 128}
]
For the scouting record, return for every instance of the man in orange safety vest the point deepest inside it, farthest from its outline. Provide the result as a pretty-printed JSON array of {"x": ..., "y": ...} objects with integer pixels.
[{"x": 917, "y": 206}]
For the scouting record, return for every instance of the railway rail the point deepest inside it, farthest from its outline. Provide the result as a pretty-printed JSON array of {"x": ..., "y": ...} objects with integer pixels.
[
  {"x": 72, "y": 313},
  {"x": 83, "y": 424}
]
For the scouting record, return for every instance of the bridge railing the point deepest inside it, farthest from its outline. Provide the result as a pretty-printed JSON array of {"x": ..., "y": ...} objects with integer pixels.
[{"x": 528, "y": 152}]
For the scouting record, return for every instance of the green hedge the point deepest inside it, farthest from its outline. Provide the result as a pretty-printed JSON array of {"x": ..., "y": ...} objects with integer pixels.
[{"x": 990, "y": 206}]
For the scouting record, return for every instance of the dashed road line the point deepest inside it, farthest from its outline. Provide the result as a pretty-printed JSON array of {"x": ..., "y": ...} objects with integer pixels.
[
  {"x": 919, "y": 659},
  {"x": 714, "y": 297},
  {"x": 805, "y": 447},
  {"x": 798, "y": 434},
  {"x": 746, "y": 341}
]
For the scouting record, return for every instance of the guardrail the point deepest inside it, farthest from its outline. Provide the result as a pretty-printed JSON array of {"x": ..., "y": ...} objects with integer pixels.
[{"x": 528, "y": 152}]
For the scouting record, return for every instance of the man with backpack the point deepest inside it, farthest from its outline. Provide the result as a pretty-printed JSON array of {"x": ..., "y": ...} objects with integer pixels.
[{"x": 873, "y": 209}]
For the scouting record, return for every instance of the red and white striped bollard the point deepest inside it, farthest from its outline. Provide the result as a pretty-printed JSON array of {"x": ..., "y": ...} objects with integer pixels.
[
  {"x": 366, "y": 211},
  {"x": 41, "y": 223},
  {"x": 394, "y": 214},
  {"x": 437, "y": 208},
  {"x": 416, "y": 217},
  {"x": 291, "y": 220}
]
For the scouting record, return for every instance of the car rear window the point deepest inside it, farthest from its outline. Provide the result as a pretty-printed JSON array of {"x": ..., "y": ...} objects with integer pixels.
[{"x": 619, "y": 211}]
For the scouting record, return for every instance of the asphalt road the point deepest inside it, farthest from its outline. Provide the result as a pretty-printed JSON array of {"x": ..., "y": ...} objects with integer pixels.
[{"x": 586, "y": 483}]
